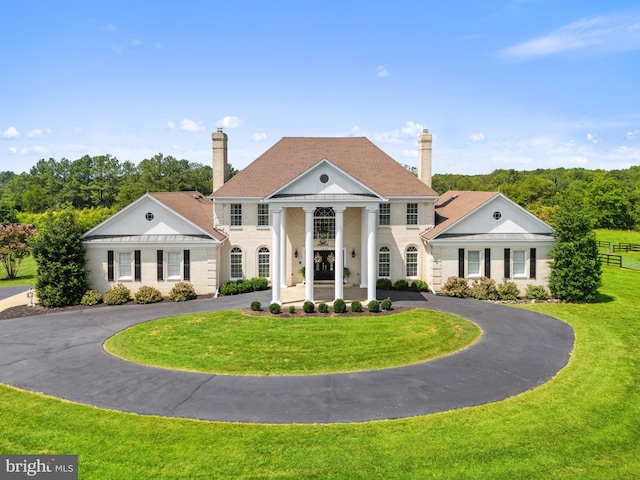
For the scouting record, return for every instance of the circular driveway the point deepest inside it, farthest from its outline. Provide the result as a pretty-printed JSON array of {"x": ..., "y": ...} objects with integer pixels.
[{"x": 61, "y": 355}]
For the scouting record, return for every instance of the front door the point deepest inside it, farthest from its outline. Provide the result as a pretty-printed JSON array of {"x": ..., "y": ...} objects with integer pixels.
[{"x": 324, "y": 265}]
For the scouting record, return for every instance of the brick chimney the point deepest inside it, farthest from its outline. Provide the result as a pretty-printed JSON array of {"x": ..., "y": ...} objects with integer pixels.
[
  {"x": 220, "y": 167},
  {"x": 424, "y": 157}
]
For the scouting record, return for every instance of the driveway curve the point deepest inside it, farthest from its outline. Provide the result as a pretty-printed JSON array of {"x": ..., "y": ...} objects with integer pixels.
[{"x": 61, "y": 355}]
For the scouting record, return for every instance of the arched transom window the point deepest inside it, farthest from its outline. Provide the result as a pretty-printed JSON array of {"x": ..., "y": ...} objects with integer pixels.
[
  {"x": 235, "y": 263},
  {"x": 412, "y": 261},
  {"x": 384, "y": 262},
  {"x": 324, "y": 224},
  {"x": 263, "y": 262}
]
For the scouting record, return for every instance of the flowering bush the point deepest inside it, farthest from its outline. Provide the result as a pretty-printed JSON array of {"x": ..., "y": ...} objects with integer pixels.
[{"x": 14, "y": 246}]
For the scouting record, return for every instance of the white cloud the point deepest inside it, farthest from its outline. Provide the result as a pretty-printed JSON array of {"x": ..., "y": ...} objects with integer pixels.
[
  {"x": 191, "y": 126},
  {"x": 355, "y": 130},
  {"x": 11, "y": 132},
  {"x": 605, "y": 33},
  {"x": 410, "y": 131},
  {"x": 632, "y": 135},
  {"x": 591, "y": 138},
  {"x": 171, "y": 125},
  {"x": 35, "y": 149},
  {"x": 259, "y": 137},
  {"x": 229, "y": 122},
  {"x": 382, "y": 71},
  {"x": 38, "y": 133},
  {"x": 13, "y": 150},
  {"x": 477, "y": 137}
]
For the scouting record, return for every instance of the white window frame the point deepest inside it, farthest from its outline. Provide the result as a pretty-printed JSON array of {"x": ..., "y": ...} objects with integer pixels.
[
  {"x": 124, "y": 266},
  {"x": 236, "y": 260},
  {"x": 174, "y": 268},
  {"x": 412, "y": 216},
  {"x": 263, "y": 215},
  {"x": 478, "y": 271},
  {"x": 515, "y": 262},
  {"x": 264, "y": 252},
  {"x": 384, "y": 215},
  {"x": 387, "y": 253},
  {"x": 411, "y": 252},
  {"x": 235, "y": 215}
]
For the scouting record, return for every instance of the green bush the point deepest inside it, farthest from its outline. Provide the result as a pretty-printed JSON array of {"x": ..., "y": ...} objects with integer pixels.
[
  {"x": 356, "y": 306},
  {"x": 308, "y": 307},
  {"x": 256, "y": 306},
  {"x": 275, "y": 308},
  {"x": 292, "y": 309},
  {"x": 384, "y": 284},
  {"x": 508, "y": 291},
  {"x": 386, "y": 304},
  {"x": 147, "y": 294},
  {"x": 339, "y": 306},
  {"x": 244, "y": 286},
  {"x": 91, "y": 297},
  {"x": 182, "y": 291},
  {"x": 401, "y": 285},
  {"x": 117, "y": 295},
  {"x": 323, "y": 308},
  {"x": 484, "y": 288},
  {"x": 536, "y": 292},
  {"x": 456, "y": 287},
  {"x": 419, "y": 286},
  {"x": 373, "y": 306}
]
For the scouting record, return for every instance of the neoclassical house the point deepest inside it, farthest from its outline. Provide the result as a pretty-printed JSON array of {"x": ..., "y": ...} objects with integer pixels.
[{"x": 309, "y": 210}]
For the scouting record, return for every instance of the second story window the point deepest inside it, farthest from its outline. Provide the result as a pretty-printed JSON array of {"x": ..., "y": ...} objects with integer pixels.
[
  {"x": 384, "y": 214},
  {"x": 236, "y": 215},
  {"x": 263, "y": 215},
  {"x": 412, "y": 214}
]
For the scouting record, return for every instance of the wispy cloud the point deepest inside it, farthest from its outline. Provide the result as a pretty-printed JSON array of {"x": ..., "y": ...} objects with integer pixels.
[
  {"x": 632, "y": 135},
  {"x": 191, "y": 126},
  {"x": 38, "y": 133},
  {"x": 409, "y": 131},
  {"x": 592, "y": 138},
  {"x": 382, "y": 71},
  {"x": 476, "y": 137},
  {"x": 259, "y": 137},
  {"x": 11, "y": 132},
  {"x": 606, "y": 33},
  {"x": 229, "y": 122},
  {"x": 35, "y": 149}
]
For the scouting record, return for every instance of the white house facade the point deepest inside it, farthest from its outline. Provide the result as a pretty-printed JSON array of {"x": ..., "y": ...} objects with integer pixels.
[{"x": 338, "y": 210}]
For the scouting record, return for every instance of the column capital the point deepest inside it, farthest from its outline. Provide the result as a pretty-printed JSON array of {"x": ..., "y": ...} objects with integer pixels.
[
  {"x": 309, "y": 209},
  {"x": 339, "y": 209},
  {"x": 276, "y": 208},
  {"x": 372, "y": 208}
]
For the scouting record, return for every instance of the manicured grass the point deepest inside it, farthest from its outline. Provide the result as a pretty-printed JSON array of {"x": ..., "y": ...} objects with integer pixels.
[
  {"x": 26, "y": 274},
  {"x": 233, "y": 343},
  {"x": 583, "y": 424}
]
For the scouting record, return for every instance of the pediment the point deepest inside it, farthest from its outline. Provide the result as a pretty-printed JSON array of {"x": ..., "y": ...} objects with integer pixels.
[{"x": 324, "y": 178}]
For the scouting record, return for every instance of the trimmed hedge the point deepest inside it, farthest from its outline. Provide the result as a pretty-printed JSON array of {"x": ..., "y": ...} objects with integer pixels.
[
  {"x": 339, "y": 306},
  {"x": 275, "y": 308},
  {"x": 401, "y": 285},
  {"x": 386, "y": 304},
  {"x": 356, "y": 306},
  {"x": 256, "y": 306},
  {"x": 384, "y": 284},
  {"x": 419, "y": 286},
  {"x": 323, "y": 308},
  {"x": 244, "y": 286},
  {"x": 373, "y": 306},
  {"x": 308, "y": 307}
]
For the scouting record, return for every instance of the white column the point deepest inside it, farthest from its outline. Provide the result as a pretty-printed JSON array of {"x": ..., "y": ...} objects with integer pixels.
[
  {"x": 283, "y": 248},
  {"x": 308, "y": 253},
  {"x": 339, "y": 287},
  {"x": 371, "y": 253},
  {"x": 364, "y": 258},
  {"x": 275, "y": 256}
]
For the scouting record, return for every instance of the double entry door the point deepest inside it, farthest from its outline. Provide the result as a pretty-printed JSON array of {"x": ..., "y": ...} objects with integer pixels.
[{"x": 324, "y": 265}]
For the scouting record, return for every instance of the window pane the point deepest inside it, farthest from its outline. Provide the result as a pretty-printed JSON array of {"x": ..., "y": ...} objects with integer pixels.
[
  {"x": 518, "y": 262},
  {"x": 384, "y": 262},
  {"x": 412, "y": 262},
  {"x": 263, "y": 262},
  {"x": 474, "y": 262},
  {"x": 236, "y": 214},
  {"x": 324, "y": 224},
  {"x": 124, "y": 266},
  {"x": 412, "y": 214},
  {"x": 263, "y": 215},
  {"x": 236, "y": 263},
  {"x": 384, "y": 214},
  {"x": 173, "y": 266}
]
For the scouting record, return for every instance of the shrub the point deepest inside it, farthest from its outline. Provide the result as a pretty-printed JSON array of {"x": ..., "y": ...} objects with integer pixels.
[
  {"x": 275, "y": 308},
  {"x": 508, "y": 291},
  {"x": 256, "y": 306},
  {"x": 484, "y": 288},
  {"x": 292, "y": 309},
  {"x": 384, "y": 284},
  {"x": 91, "y": 297},
  {"x": 117, "y": 295},
  {"x": 308, "y": 307},
  {"x": 373, "y": 306},
  {"x": 339, "y": 306},
  {"x": 419, "y": 286},
  {"x": 323, "y": 308},
  {"x": 386, "y": 304},
  {"x": 254, "y": 284},
  {"x": 401, "y": 285},
  {"x": 182, "y": 291},
  {"x": 536, "y": 292},
  {"x": 456, "y": 287},
  {"x": 356, "y": 306},
  {"x": 147, "y": 294}
]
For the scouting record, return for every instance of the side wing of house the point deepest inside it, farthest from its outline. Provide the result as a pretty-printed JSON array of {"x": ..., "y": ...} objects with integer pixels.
[
  {"x": 486, "y": 234},
  {"x": 151, "y": 243}
]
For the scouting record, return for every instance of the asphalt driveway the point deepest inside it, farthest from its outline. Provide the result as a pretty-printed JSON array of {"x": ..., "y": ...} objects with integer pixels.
[{"x": 61, "y": 355}]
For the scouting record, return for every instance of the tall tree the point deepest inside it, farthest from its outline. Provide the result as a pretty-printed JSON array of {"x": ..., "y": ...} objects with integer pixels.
[{"x": 576, "y": 272}]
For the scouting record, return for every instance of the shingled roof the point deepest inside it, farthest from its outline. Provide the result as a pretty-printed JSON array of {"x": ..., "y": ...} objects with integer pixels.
[
  {"x": 193, "y": 206},
  {"x": 453, "y": 206},
  {"x": 292, "y": 156}
]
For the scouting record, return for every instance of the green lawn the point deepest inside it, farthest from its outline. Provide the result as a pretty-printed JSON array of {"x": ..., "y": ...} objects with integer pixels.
[
  {"x": 26, "y": 274},
  {"x": 583, "y": 424},
  {"x": 238, "y": 344}
]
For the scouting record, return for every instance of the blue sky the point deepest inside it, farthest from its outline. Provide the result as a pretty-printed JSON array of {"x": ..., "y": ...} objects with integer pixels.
[{"x": 518, "y": 84}]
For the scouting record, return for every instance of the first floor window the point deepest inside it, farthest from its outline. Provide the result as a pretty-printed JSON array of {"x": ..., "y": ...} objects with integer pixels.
[
  {"x": 173, "y": 266},
  {"x": 412, "y": 214},
  {"x": 236, "y": 263},
  {"x": 236, "y": 215},
  {"x": 263, "y": 262},
  {"x": 384, "y": 262},
  {"x": 518, "y": 263},
  {"x": 124, "y": 266},
  {"x": 473, "y": 262},
  {"x": 384, "y": 214},
  {"x": 263, "y": 215},
  {"x": 412, "y": 261}
]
